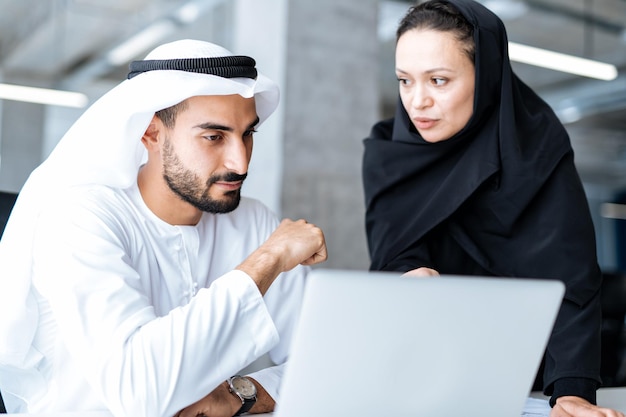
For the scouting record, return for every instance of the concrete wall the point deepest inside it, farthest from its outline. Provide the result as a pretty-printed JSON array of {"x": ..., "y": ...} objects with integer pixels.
[
  {"x": 21, "y": 139},
  {"x": 331, "y": 101}
]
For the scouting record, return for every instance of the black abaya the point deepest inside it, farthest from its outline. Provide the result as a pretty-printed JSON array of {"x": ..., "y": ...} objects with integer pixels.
[{"x": 502, "y": 197}]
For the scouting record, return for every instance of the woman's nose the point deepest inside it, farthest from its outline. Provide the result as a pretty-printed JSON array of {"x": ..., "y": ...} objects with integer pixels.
[{"x": 421, "y": 98}]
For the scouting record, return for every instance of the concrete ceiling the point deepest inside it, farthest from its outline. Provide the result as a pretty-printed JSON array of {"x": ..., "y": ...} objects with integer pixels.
[
  {"x": 51, "y": 39},
  {"x": 65, "y": 43}
]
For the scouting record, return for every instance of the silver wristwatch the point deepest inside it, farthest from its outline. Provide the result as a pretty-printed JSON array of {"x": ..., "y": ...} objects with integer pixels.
[{"x": 245, "y": 390}]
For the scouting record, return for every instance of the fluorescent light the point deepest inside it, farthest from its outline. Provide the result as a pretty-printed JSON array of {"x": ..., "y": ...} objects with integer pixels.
[
  {"x": 188, "y": 13},
  {"x": 42, "y": 96},
  {"x": 561, "y": 62},
  {"x": 140, "y": 42},
  {"x": 613, "y": 211}
]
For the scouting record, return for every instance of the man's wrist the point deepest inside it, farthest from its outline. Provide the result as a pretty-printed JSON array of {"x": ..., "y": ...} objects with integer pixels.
[
  {"x": 263, "y": 266},
  {"x": 264, "y": 402},
  {"x": 235, "y": 401}
]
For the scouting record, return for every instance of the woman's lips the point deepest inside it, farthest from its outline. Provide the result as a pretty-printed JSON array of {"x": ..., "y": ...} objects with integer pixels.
[{"x": 424, "y": 122}]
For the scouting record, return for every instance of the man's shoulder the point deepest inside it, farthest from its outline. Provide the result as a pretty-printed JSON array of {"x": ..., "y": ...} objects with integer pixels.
[
  {"x": 97, "y": 200},
  {"x": 96, "y": 194},
  {"x": 88, "y": 210},
  {"x": 90, "y": 191}
]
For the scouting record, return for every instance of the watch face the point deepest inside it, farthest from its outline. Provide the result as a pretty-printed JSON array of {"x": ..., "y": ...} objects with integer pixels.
[{"x": 244, "y": 387}]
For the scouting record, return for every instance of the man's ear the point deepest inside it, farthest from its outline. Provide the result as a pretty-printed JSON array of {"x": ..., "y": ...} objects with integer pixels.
[{"x": 150, "y": 138}]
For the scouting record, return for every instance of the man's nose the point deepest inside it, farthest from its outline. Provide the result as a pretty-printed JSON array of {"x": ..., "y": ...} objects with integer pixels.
[{"x": 236, "y": 157}]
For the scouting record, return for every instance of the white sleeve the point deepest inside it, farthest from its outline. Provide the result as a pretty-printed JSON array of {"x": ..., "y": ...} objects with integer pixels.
[
  {"x": 270, "y": 378},
  {"x": 141, "y": 364},
  {"x": 283, "y": 300}
]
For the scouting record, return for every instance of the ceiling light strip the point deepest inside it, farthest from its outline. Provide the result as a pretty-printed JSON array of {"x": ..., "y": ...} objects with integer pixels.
[
  {"x": 42, "y": 96},
  {"x": 561, "y": 62}
]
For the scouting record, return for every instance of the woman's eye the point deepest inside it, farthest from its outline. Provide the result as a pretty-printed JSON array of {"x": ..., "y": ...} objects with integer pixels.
[
  {"x": 403, "y": 81},
  {"x": 439, "y": 81}
]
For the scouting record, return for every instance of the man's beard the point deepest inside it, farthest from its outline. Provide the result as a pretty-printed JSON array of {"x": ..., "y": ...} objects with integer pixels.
[{"x": 188, "y": 186}]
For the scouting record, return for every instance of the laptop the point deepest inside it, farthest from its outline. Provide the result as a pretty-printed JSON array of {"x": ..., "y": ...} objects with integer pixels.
[{"x": 378, "y": 344}]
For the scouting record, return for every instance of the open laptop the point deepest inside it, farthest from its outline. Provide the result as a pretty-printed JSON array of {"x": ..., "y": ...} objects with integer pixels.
[{"x": 377, "y": 344}]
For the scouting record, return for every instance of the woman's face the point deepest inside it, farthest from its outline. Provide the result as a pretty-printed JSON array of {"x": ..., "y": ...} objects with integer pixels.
[{"x": 436, "y": 82}]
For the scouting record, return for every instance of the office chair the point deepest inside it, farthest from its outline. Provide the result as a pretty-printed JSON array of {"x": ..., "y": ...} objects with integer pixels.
[{"x": 7, "y": 200}]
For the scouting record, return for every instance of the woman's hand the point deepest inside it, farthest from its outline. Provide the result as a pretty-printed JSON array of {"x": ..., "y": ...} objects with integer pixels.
[
  {"x": 570, "y": 406},
  {"x": 421, "y": 272}
]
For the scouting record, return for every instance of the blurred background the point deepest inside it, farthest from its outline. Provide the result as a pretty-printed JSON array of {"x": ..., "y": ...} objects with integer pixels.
[{"x": 333, "y": 60}]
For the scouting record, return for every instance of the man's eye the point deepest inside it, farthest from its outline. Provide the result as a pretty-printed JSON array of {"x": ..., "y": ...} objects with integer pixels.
[{"x": 213, "y": 138}]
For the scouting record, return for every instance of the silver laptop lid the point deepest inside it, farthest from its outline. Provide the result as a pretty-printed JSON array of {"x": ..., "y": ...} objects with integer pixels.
[{"x": 377, "y": 344}]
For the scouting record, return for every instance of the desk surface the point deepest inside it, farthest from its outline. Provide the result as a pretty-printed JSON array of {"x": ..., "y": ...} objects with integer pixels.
[{"x": 614, "y": 398}]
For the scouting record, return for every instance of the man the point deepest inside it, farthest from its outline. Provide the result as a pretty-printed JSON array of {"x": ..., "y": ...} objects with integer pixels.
[{"x": 133, "y": 276}]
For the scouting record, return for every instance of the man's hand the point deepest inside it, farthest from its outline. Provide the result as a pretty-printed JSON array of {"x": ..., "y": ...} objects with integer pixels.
[
  {"x": 295, "y": 243},
  {"x": 222, "y": 403},
  {"x": 292, "y": 243},
  {"x": 570, "y": 406}
]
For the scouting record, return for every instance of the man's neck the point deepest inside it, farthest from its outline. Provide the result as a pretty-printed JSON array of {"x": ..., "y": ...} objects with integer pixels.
[{"x": 163, "y": 202}]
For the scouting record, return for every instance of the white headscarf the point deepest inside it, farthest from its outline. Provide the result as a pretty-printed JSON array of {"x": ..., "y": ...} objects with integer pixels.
[{"x": 102, "y": 147}]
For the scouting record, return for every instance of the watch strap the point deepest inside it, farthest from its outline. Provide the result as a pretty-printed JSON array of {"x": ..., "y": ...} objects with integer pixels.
[{"x": 246, "y": 406}]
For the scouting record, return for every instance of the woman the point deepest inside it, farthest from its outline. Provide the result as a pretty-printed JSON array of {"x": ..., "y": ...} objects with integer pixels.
[{"x": 475, "y": 175}]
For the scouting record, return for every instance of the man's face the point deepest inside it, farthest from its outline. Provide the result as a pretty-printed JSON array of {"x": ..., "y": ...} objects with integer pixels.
[{"x": 205, "y": 156}]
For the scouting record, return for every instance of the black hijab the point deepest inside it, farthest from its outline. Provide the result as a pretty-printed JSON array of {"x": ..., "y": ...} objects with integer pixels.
[{"x": 505, "y": 185}]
